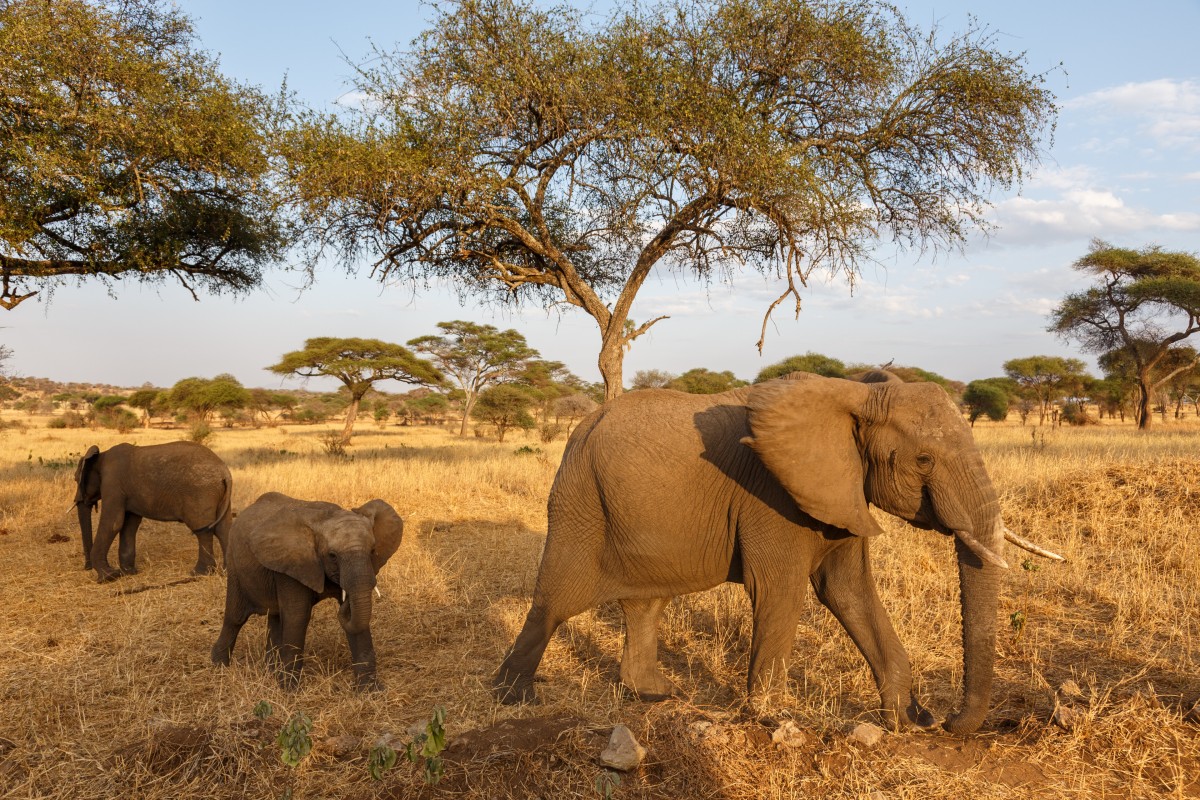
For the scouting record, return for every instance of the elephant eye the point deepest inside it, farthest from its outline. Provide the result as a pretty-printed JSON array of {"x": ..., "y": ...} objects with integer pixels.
[{"x": 924, "y": 462}]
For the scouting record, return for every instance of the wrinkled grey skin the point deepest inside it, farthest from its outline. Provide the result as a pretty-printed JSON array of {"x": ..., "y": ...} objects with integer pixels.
[
  {"x": 174, "y": 482},
  {"x": 286, "y": 555},
  {"x": 662, "y": 493}
]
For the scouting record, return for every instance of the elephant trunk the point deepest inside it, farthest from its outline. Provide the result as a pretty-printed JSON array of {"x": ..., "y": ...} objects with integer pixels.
[
  {"x": 978, "y": 533},
  {"x": 84, "y": 508},
  {"x": 358, "y": 581}
]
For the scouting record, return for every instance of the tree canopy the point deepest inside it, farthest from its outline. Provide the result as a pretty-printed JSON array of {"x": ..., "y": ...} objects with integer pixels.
[
  {"x": 1143, "y": 302},
  {"x": 125, "y": 154},
  {"x": 705, "y": 381},
  {"x": 476, "y": 356},
  {"x": 809, "y": 362},
  {"x": 1046, "y": 378},
  {"x": 359, "y": 364},
  {"x": 985, "y": 397},
  {"x": 525, "y": 152},
  {"x": 205, "y": 396}
]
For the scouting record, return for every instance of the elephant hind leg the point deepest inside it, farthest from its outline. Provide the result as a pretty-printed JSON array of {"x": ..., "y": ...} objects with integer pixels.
[
  {"x": 514, "y": 680},
  {"x": 639, "y": 661},
  {"x": 237, "y": 611},
  {"x": 206, "y": 562},
  {"x": 845, "y": 586}
]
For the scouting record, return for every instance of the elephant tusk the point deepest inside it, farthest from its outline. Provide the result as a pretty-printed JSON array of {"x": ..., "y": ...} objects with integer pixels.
[
  {"x": 343, "y": 595},
  {"x": 377, "y": 592},
  {"x": 1025, "y": 544},
  {"x": 978, "y": 548}
]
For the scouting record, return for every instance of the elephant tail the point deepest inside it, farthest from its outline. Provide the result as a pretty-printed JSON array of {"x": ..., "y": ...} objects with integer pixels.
[{"x": 226, "y": 504}]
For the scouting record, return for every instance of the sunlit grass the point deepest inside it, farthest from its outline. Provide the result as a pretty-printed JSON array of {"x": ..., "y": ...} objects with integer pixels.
[{"x": 109, "y": 693}]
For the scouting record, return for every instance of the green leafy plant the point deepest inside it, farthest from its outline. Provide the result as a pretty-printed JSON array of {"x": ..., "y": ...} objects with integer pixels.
[
  {"x": 1017, "y": 621},
  {"x": 428, "y": 746},
  {"x": 294, "y": 740},
  {"x": 381, "y": 759},
  {"x": 607, "y": 782},
  {"x": 199, "y": 432},
  {"x": 262, "y": 709}
]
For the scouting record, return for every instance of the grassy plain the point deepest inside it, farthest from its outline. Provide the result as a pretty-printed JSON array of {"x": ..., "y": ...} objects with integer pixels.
[{"x": 108, "y": 691}]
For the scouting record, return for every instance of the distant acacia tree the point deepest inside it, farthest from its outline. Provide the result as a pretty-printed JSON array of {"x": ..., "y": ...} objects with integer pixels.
[
  {"x": 527, "y": 151},
  {"x": 146, "y": 399},
  {"x": 809, "y": 362},
  {"x": 125, "y": 154},
  {"x": 203, "y": 397},
  {"x": 505, "y": 407},
  {"x": 983, "y": 397},
  {"x": 1045, "y": 379},
  {"x": 475, "y": 356},
  {"x": 572, "y": 408},
  {"x": 1143, "y": 303},
  {"x": 359, "y": 364},
  {"x": 6, "y": 354},
  {"x": 705, "y": 381},
  {"x": 652, "y": 379}
]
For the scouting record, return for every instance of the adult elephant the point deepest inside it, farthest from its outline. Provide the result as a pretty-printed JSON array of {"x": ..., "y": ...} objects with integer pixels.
[
  {"x": 174, "y": 482},
  {"x": 662, "y": 493},
  {"x": 286, "y": 555}
]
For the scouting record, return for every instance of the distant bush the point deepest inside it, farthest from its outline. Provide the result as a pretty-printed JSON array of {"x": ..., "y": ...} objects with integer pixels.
[
  {"x": 1073, "y": 414},
  {"x": 70, "y": 419},
  {"x": 200, "y": 432},
  {"x": 117, "y": 418}
]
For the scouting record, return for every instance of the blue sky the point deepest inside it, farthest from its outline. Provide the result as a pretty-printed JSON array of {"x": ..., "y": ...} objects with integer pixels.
[{"x": 1125, "y": 167}]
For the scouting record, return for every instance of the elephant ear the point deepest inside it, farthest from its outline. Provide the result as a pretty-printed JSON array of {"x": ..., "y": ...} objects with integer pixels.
[
  {"x": 283, "y": 542},
  {"x": 86, "y": 464},
  {"x": 806, "y": 433},
  {"x": 388, "y": 528}
]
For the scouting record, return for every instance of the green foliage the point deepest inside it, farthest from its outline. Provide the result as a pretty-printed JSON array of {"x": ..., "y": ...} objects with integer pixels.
[
  {"x": 202, "y": 397},
  {"x": 120, "y": 419},
  {"x": 334, "y": 444},
  {"x": 651, "y": 379},
  {"x": 381, "y": 758},
  {"x": 526, "y": 450},
  {"x": 607, "y": 782},
  {"x": 1047, "y": 378},
  {"x": 294, "y": 740},
  {"x": 69, "y": 419},
  {"x": 128, "y": 155},
  {"x": 780, "y": 135},
  {"x": 984, "y": 397},
  {"x": 107, "y": 402},
  {"x": 426, "y": 747},
  {"x": 1016, "y": 621},
  {"x": 199, "y": 432},
  {"x": 505, "y": 406},
  {"x": 705, "y": 381},
  {"x": 809, "y": 362},
  {"x": 263, "y": 709}
]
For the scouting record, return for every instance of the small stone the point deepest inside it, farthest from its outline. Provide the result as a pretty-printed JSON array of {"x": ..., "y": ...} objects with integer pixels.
[
  {"x": 866, "y": 733},
  {"x": 1070, "y": 689},
  {"x": 416, "y": 729},
  {"x": 623, "y": 752},
  {"x": 788, "y": 735}
]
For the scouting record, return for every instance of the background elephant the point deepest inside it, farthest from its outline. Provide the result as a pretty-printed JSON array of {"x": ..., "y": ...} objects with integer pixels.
[
  {"x": 286, "y": 555},
  {"x": 174, "y": 482},
  {"x": 663, "y": 493}
]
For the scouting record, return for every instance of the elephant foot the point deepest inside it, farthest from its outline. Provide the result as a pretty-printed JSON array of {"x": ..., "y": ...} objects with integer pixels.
[
  {"x": 653, "y": 689},
  {"x": 87, "y": 564},
  {"x": 107, "y": 577},
  {"x": 204, "y": 569},
  {"x": 514, "y": 692},
  {"x": 129, "y": 570},
  {"x": 368, "y": 685}
]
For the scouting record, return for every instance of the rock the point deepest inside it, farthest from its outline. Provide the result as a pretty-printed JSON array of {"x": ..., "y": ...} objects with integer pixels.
[
  {"x": 1070, "y": 689},
  {"x": 867, "y": 734},
  {"x": 788, "y": 735},
  {"x": 710, "y": 732},
  {"x": 623, "y": 752},
  {"x": 417, "y": 728},
  {"x": 341, "y": 747}
]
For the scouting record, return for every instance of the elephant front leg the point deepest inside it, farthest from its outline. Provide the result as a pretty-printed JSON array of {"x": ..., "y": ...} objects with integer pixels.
[
  {"x": 127, "y": 544},
  {"x": 236, "y": 613},
  {"x": 514, "y": 680},
  {"x": 639, "y": 661},
  {"x": 206, "y": 562},
  {"x": 846, "y": 587},
  {"x": 294, "y": 630},
  {"x": 112, "y": 520},
  {"x": 274, "y": 639},
  {"x": 775, "y": 611}
]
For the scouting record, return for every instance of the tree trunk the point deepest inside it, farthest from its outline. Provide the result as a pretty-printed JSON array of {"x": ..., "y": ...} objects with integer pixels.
[
  {"x": 612, "y": 364},
  {"x": 1143, "y": 402},
  {"x": 468, "y": 404},
  {"x": 351, "y": 415}
]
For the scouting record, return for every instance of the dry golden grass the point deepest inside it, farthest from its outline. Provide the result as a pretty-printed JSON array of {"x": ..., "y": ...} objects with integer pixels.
[{"x": 109, "y": 693}]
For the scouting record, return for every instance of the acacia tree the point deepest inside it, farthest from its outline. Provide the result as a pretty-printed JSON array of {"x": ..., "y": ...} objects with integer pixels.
[
  {"x": 1046, "y": 378},
  {"x": 359, "y": 364},
  {"x": 475, "y": 356},
  {"x": 204, "y": 396},
  {"x": 985, "y": 397},
  {"x": 125, "y": 154},
  {"x": 1143, "y": 303},
  {"x": 809, "y": 362},
  {"x": 524, "y": 152},
  {"x": 505, "y": 406},
  {"x": 702, "y": 380}
]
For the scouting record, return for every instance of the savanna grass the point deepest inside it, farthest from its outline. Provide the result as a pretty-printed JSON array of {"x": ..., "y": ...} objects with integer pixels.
[{"x": 107, "y": 691}]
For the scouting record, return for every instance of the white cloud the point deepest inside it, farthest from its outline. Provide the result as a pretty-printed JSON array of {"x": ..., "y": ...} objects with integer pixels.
[{"x": 1167, "y": 110}]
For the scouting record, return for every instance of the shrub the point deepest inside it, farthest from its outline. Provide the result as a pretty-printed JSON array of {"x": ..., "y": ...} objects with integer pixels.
[
  {"x": 70, "y": 419},
  {"x": 199, "y": 432},
  {"x": 1074, "y": 414}
]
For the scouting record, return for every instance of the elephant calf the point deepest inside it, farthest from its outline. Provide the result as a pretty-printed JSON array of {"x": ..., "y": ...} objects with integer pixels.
[
  {"x": 174, "y": 482},
  {"x": 286, "y": 555}
]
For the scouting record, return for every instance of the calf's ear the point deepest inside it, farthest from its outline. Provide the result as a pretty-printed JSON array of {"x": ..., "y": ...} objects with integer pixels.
[{"x": 388, "y": 528}]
